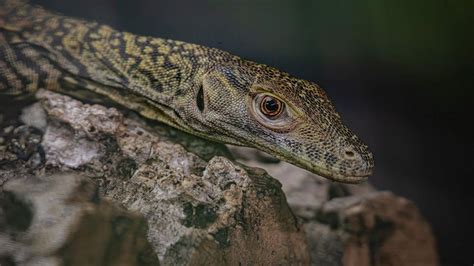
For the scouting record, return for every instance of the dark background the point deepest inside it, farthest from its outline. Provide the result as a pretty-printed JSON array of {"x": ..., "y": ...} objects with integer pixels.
[{"x": 400, "y": 72}]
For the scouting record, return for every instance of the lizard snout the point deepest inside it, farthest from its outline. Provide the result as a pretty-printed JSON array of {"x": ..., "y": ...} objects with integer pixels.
[{"x": 356, "y": 162}]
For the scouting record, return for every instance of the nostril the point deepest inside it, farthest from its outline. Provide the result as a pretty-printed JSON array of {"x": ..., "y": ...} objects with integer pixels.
[{"x": 350, "y": 154}]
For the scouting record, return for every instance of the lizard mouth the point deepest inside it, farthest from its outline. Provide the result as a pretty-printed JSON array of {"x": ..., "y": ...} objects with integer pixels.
[
  {"x": 350, "y": 179},
  {"x": 364, "y": 168},
  {"x": 358, "y": 172},
  {"x": 335, "y": 175}
]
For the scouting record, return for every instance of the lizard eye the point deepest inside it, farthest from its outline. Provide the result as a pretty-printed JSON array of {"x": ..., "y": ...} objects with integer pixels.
[
  {"x": 271, "y": 107},
  {"x": 272, "y": 112}
]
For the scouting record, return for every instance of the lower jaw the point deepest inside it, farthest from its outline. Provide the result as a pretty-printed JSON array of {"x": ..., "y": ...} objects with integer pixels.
[
  {"x": 328, "y": 174},
  {"x": 333, "y": 176},
  {"x": 338, "y": 177},
  {"x": 349, "y": 179}
]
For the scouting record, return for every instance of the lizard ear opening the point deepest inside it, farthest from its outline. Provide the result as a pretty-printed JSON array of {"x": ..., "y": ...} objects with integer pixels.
[{"x": 200, "y": 99}]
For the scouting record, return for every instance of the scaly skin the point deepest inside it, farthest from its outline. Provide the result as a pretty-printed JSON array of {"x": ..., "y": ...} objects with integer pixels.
[{"x": 200, "y": 90}]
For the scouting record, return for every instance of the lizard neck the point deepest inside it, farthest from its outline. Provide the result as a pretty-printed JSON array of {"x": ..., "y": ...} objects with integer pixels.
[
  {"x": 158, "y": 78},
  {"x": 100, "y": 54},
  {"x": 152, "y": 76}
]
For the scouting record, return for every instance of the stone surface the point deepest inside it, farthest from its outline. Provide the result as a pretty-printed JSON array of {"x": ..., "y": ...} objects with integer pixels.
[
  {"x": 198, "y": 210},
  {"x": 203, "y": 207},
  {"x": 351, "y": 224},
  {"x": 61, "y": 220}
]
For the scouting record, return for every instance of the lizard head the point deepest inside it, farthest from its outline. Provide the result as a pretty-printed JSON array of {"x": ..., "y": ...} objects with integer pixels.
[{"x": 292, "y": 119}]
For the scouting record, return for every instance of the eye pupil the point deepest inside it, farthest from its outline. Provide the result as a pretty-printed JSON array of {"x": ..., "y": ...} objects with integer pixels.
[{"x": 271, "y": 106}]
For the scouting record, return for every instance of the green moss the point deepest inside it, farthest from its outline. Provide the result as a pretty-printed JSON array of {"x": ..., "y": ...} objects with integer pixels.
[
  {"x": 222, "y": 237},
  {"x": 199, "y": 216}
]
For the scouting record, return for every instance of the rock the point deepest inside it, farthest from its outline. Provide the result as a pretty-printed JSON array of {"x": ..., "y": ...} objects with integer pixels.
[
  {"x": 306, "y": 192},
  {"x": 201, "y": 206},
  {"x": 197, "y": 211},
  {"x": 34, "y": 116},
  {"x": 352, "y": 224},
  {"x": 61, "y": 220},
  {"x": 377, "y": 228}
]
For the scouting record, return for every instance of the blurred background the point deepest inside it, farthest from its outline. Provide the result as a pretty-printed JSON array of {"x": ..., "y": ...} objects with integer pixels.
[{"x": 401, "y": 73}]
